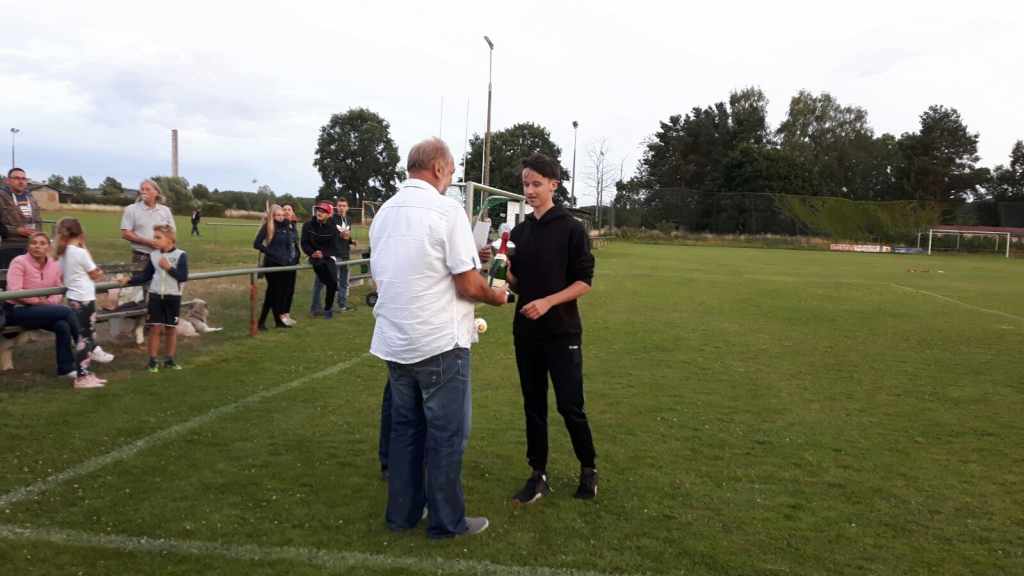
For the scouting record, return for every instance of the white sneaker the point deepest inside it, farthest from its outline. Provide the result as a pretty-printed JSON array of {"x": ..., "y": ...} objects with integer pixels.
[
  {"x": 100, "y": 355},
  {"x": 88, "y": 381},
  {"x": 287, "y": 320}
]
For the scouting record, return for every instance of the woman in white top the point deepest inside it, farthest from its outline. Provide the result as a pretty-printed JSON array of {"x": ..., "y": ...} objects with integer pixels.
[
  {"x": 80, "y": 274},
  {"x": 140, "y": 218}
]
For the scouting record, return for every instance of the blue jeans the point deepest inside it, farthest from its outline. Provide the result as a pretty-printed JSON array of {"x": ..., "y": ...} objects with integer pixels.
[
  {"x": 430, "y": 420},
  {"x": 317, "y": 305},
  {"x": 54, "y": 318},
  {"x": 385, "y": 426}
]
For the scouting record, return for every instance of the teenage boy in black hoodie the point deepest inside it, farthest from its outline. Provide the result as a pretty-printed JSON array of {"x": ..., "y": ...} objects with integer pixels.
[
  {"x": 550, "y": 268},
  {"x": 319, "y": 242}
]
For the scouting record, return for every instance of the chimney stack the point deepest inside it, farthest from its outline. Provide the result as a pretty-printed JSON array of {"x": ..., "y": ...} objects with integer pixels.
[{"x": 174, "y": 152}]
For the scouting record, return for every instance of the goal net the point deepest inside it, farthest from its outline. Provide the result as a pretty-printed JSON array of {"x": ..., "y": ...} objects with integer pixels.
[{"x": 969, "y": 240}]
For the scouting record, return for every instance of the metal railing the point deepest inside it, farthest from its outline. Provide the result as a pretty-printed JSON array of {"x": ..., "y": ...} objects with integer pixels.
[{"x": 250, "y": 272}]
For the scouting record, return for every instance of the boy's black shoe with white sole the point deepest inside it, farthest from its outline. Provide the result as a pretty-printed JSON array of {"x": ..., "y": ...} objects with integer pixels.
[
  {"x": 588, "y": 484},
  {"x": 535, "y": 489}
]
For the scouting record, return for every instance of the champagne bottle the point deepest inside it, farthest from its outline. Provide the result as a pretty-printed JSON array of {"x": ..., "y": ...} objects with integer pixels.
[{"x": 498, "y": 276}]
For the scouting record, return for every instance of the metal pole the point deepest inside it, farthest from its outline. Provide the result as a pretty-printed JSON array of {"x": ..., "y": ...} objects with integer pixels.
[
  {"x": 929, "y": 241},
  {"x": 14, "y": 131},
  {"x": 469, "y": 200},
  {"x": 575, "y": 131},
  {"x": 487, "y": 136},
  {"x": 252, "y": 306},
  {"x": 1007, "y": 244}
]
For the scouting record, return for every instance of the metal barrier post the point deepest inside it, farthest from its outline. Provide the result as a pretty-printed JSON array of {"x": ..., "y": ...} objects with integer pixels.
[{"x": 253, "y": 330}]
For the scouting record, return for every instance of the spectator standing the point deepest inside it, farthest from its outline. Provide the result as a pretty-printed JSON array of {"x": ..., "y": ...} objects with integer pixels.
[
  {"x": 34, "y": 270},
  {"x": 319, "y": 242},
  {"x": 276, "y": 240},
  {"x": 196, "y": 217},
  {"x": 342, "y": 252},
  {"x": 140, "y": 220},
  {"x": 166, "y": 272},
  {"x": 425, "y": 266},
  {"x": 19, "y": 216}
]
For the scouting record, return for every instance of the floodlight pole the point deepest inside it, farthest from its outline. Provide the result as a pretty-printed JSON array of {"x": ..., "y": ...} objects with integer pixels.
[
  {"x": 14, "y": 132},
  {"x": 487, "y": 136}
]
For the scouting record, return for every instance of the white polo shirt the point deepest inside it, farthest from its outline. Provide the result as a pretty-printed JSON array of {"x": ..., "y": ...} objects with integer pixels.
[{"x": 419, "y": 240}]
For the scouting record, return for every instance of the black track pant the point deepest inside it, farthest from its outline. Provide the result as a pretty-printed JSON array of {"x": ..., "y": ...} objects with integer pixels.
[
  {"x": 327, "y": 271},
  {"x": 278, "y": 296},
  {"x": 562, "y": 358}
]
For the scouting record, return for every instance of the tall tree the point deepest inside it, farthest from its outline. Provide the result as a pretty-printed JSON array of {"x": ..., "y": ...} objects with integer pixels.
[
  {"x": 827, "y": 140},
  {"x": 111, "y": 188},
  {"x": 508, "y": 149},
  {"x": 56, "y": 181},
  {"x": 1008, "y": 181},
  {"x": 600, "y": 176},
  {"x": 200, "y": 192},
  {"x": 356, "y": 157},
  {"x": 942, "y": 158},
  {"x": 77, "y": 185}
]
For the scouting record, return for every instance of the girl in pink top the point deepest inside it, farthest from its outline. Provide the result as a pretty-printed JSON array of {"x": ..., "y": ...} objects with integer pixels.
[{"x": 38, "y": 270}]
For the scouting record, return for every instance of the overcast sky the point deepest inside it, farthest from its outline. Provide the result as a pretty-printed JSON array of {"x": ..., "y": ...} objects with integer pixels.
[{"x": 95, "y": 87}]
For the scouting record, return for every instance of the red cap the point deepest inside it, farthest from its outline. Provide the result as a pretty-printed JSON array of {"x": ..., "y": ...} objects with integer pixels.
[{"x": 326, "y": 207}]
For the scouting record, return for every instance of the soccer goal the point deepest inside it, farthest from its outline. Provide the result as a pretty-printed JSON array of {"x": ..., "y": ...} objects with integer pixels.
[
  {"x": 369, "y": 210},
  {"x": 968, "y": 240}
]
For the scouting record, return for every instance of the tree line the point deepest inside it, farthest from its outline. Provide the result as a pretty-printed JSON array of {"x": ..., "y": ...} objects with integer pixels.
[{"x": 822, "y": 148}]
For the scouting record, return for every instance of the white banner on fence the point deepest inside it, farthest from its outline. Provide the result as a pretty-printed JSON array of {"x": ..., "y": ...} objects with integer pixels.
[{"x": 872, "y": 248}]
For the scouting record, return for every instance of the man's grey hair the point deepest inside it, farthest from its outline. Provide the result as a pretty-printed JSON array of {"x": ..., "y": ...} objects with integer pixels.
[{"x": 424, "y": 155}]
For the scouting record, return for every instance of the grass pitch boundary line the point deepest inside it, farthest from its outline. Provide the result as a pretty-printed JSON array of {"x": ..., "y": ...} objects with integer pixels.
[
  {"x": 165, "y": 435},
  {"x": 332, "y": 560},
  {"x": 959, "y": 303}
]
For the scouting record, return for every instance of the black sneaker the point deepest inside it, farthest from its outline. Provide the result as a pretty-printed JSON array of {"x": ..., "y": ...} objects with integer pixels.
[
  {"x": 535, "y": 489},
  {"x": 588, "y": 485},
  {"x": 153, "y": 367}
]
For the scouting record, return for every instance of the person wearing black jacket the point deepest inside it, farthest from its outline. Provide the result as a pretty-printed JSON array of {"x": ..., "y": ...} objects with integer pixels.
[
  {"x": 276, "y": 240},
  {"x": 550, "y": 268},
  {"x": 342, "y": 252},
  {"x": 320, "y": 243}
]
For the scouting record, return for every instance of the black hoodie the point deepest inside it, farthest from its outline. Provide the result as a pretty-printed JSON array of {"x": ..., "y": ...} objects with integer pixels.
[
  {"x": 322, "y": 236},
  {"x": 550, "y": 255}
]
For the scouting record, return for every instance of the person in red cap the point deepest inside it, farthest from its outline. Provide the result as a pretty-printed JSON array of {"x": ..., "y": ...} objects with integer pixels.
[{"x": 319, "y": 242}]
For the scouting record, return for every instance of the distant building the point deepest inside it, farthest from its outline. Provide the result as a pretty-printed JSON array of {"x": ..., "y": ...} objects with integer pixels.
[{"x": 48, "y": 197}]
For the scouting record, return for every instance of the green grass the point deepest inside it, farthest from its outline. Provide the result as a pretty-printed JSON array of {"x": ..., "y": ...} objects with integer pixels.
[{"x": 755, "y": 412}]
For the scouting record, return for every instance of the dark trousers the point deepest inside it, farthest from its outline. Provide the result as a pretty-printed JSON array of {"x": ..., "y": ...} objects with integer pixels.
[
  {"x": 85, "y": 314},
  {"x": 430, "y": 421},
  {"x": 288, "y": 279},
  {"x": 53, "y": 318},
  {"x": 327, "y": 273},
  {"x": 276, "y": 297},
  {"x": 385, "y": 426},
  {"x": 562, "y": 358},
  {"x": 195, "y": 229},
  {"x": 342, "y": 290}
]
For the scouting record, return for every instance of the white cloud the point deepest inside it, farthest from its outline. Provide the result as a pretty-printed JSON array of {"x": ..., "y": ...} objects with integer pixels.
[{"x": 96, "y": 87}]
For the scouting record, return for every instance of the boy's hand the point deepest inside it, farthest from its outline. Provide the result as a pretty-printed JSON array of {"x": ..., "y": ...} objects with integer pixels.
[
  {"x": 536, "y": 309},
  {"x": 317, "y": 255},
  {"x": 484, "y": 254},
  {"x": 165, "y": 263},
  {"x": 123, "y": 280}
]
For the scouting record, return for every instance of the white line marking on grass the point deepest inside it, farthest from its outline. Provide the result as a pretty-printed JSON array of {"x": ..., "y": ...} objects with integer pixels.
[
  {"x": 157, "y": 438},
  {"x": 333, "y": 560},
  {"x": 957, "y": 302}
]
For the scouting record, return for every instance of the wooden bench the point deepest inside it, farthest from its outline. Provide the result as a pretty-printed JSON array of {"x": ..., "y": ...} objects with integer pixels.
[{"x": 13, "y": 336}]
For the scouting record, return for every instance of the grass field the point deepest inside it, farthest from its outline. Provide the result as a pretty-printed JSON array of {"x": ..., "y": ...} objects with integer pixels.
[{"x": 754, "y": 411}]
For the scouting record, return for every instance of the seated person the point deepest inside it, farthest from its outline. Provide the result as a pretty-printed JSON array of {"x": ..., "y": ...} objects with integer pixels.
[{"x": 34, "y": 270}]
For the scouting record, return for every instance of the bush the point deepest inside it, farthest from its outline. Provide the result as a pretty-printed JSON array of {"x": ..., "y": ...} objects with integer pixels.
[{"x": 212, "y": 209}]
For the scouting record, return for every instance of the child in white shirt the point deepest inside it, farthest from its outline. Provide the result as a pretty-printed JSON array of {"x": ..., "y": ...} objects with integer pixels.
[{"x": 80, "y": 274}]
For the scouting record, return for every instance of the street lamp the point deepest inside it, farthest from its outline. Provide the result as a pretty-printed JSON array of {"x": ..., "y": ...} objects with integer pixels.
[
  {"x": 487, "y": 137},
  {"x": 572, "y": 193},
  {"x": 14, "y": 131}
]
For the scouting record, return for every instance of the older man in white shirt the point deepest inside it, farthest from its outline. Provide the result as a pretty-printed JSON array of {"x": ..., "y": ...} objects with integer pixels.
[{"x": 425, "y": 265}]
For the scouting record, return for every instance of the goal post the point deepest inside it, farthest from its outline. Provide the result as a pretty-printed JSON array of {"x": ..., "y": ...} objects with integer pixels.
[{"x": 1002, "y": 240}]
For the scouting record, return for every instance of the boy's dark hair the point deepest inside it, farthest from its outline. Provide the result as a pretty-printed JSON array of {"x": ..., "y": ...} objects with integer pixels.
[
  {"x": 541, "y": 164},
  {"x": 13, "y": 170}
]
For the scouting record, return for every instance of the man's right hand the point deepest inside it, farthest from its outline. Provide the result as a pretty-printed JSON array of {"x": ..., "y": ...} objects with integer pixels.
[
  {"x": 500, "y": 296},
  {"x": 26, "y": 231}
]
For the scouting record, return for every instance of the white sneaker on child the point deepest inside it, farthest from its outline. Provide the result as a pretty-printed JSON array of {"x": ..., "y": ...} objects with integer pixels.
[{"x": 102, "y": 356}]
